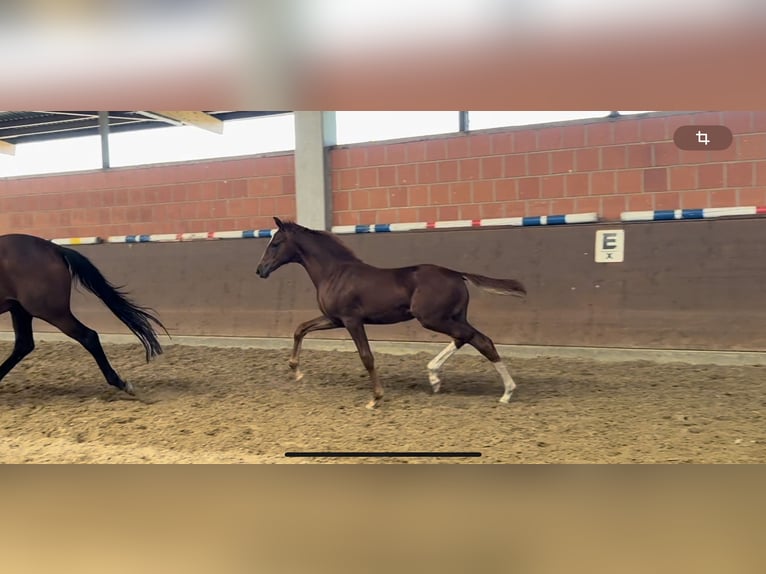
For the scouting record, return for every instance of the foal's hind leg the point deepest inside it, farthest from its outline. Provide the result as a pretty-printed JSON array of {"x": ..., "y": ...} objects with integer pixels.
[
  {"x": 465, "y": 333},
  {"x": 356, "y": 330},
  {"x": 435, "y": 364},
  {"x": 25, "y": 343},
  {"x": 317, "y": 324},
  {"x": 89, "y": 339}
]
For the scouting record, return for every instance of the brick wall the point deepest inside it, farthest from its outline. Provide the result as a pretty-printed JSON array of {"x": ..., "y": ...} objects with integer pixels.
[
  {"x": 596, "y": 165},
  {"x": 221, "y": 195}
]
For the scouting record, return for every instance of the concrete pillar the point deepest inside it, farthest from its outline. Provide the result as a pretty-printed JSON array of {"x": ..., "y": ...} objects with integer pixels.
[{"x": 314, "y": 133}]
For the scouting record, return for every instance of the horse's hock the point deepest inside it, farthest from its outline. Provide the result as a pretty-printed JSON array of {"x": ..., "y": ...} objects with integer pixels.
[{"x": 682, "y": 285}]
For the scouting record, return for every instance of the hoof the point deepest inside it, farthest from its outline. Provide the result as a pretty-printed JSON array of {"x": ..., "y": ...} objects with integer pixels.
[
  {"x": 128, "y": 388},
  {"x": 372, "y": 405},
  {"x": 298, "y": 375},
  {"x": 505, "y": 400}
]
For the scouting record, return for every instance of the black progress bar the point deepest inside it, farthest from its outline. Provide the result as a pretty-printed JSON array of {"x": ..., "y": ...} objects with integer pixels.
[{"x": 362, "y": 454}]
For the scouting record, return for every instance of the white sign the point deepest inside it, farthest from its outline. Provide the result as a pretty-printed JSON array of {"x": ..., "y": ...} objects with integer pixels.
[{"x": 610, "y": 246}]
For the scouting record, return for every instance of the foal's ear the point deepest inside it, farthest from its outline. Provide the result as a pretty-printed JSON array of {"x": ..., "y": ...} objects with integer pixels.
[{"x": 279, "y": 223}]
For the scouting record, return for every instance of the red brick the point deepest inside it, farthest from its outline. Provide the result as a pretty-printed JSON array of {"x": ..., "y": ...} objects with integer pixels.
[
  {"x": 740, "y": 174},
  {"x": 506, "y": 190},
  {"x": 627, "y": 131},
  {"x": 398, "y": 197},
  {"x": 537, "y": 207},
  {"x": 407, "y": 215},
  {"x": 655, "y": 180},
  {"x": 587, "y": 159},
  {"x": 552, "y": 186},
  {"x": 562, "y": 161},
  {"x": 406, "y": 174},
  {"x": 367, "y": 217},
  {"x": 630, "y": 181},
  {"x": 428, "y": 172},
  {"x": 376, "y": 155},
  {"x": 481, "y": 145},
  {"x": 602, "y": 183},
  {"x": 502, "y": 144},
  {"x": 667, "y": 200},
  {"x": 340, "y": 158},
  {"x": 458, "y": 147},
  {"x": 724, "y": 198},
  {"x": 665, "y": 153},
  {"x": 515, "y": 208},
  {"x": 516, "y": 165},
  {"x": 288, "y": 184},
  {"x": 573, "y": 136},
  {"x": 710, "y": 176},
  {"x": 469, "y": 212},
  {"x": 758, "y": 121},
  {"x": 683, "y": 177},
  {"x": 672, "y": 123},
  {"x": 529, "y": 187},
  {"x": 491, "y": 210},
  {"x": 448, "y": 170},
  {"x": 386, "y": 215},
  {"x": 562, "y": 206},
  {"x": 447, "y": 213},
  {"x": 469, "y": 169},
  {"x": 365, "y": 177},
  {"x": 752, "y": 196},
  {"x": 524, "y": 141},
  {"x": 416, "y": 151},
  {"x": 539, "y": 163},
  {"x": 613, "y": 157},
  {"x": 641, "y": 202},
  {"x": 428, "y": 214},
  {"x": 640, "y": 155},
  {"x": 550, "y": 138},
  {"x": 286, "y": 206},
  {"x": 396, "y": 153},
  {"x": 360, "y": 199},
  {"x": 440, "y": 194},
  {"x": 576, "y": 184},
  {"x": 738, "y": 122},
  {"x": 418, "y": 195},
  {"x": 436, "y": 150},
  {"x": 599, "y": 134},
  {"x": 695, "y": 200},
  {"x": 760, "y": 173},
  {"x": 751, "y": 146},
  {"x": 613, "y": 206},
  {"x": 483, "y": 191},
  {"x": 707, "y": 118},
  {"x": 653, "y": 129},
  {"x": 261, "y": 206},
  {"x": 379, "y": 199},
  {"x": 460, "y": 192},
  {"x": 387, "y": 176},
  {"x": 492, "y": 167},
  {"x": 345, "y": 218}
]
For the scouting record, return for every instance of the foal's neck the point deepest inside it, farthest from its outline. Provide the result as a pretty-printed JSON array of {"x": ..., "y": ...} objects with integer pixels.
[{"x": 322, "y": 256}]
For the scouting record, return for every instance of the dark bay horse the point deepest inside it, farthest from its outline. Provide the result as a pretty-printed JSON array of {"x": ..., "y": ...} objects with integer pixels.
[
  {"x": 352, "y": 293},
  {"x": 36, "y": 281}
]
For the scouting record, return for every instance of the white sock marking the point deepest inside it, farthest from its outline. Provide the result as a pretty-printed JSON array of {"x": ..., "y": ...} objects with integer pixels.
[
  {"x": 507, "y": 381},
  {"x": 435, "y": 364}
]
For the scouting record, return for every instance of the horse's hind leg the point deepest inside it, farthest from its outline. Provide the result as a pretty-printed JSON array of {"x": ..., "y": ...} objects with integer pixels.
[
  {"x": 88, "y": 338},
  {"x": 358, "y": 334},
  {"x": 317, "y": 324},
  {"x": 436, "y": 363},
  {"x": 25, "y": 342}
]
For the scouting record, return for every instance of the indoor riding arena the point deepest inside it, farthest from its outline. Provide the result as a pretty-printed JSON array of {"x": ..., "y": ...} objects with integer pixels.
[{"x": 641, "y": 338}]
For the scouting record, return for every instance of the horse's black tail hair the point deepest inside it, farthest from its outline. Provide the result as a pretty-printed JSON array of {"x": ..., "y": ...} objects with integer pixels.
[{"x": 138, "y": 319}]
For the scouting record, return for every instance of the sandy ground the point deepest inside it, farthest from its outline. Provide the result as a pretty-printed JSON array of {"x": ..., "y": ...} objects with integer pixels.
[{"x": 213, "y": 405}]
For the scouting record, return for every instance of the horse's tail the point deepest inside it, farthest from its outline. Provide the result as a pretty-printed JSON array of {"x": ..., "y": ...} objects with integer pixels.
[
  {"x": 497, "y": 286},
  {"x": 138, "y": 319}
]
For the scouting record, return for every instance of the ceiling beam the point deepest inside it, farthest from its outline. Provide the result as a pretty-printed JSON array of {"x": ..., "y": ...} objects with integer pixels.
[
  {"x": 7, "y": 148},
  {"x": 197, "y": 119}
]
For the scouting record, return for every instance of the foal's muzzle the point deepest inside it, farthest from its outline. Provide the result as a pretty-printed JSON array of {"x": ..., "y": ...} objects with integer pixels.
[{"x": 262, "y": 272}]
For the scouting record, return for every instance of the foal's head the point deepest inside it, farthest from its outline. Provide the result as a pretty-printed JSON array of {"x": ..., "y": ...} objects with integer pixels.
[{"x": 293, "y": 243}]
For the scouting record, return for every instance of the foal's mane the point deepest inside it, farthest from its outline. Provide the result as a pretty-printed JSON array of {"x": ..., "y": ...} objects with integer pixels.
[{"x": 328, "y": 242}]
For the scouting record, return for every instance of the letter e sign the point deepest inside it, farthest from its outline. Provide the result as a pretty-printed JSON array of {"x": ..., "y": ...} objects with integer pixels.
[{"x": 610, "y": 246}]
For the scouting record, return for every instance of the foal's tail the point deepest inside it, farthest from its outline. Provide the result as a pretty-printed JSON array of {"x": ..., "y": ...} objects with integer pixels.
[
  {"x": 497, "y": 286},
  {"x": 138, "y": 319}
]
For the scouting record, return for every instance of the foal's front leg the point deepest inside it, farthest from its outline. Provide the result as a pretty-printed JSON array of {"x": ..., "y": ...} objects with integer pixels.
[
  {"x": 317, "y": 324},
  {"x": 358, "y": 334}
]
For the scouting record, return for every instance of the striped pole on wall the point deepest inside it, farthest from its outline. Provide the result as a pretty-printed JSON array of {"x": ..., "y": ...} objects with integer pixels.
[{"x": 706, "y": 213}]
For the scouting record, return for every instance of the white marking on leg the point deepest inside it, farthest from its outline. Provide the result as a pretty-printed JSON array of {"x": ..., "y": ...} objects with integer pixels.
[
  {"x": 507, "y": 381},
  {"x": 435, "y": 364}
]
